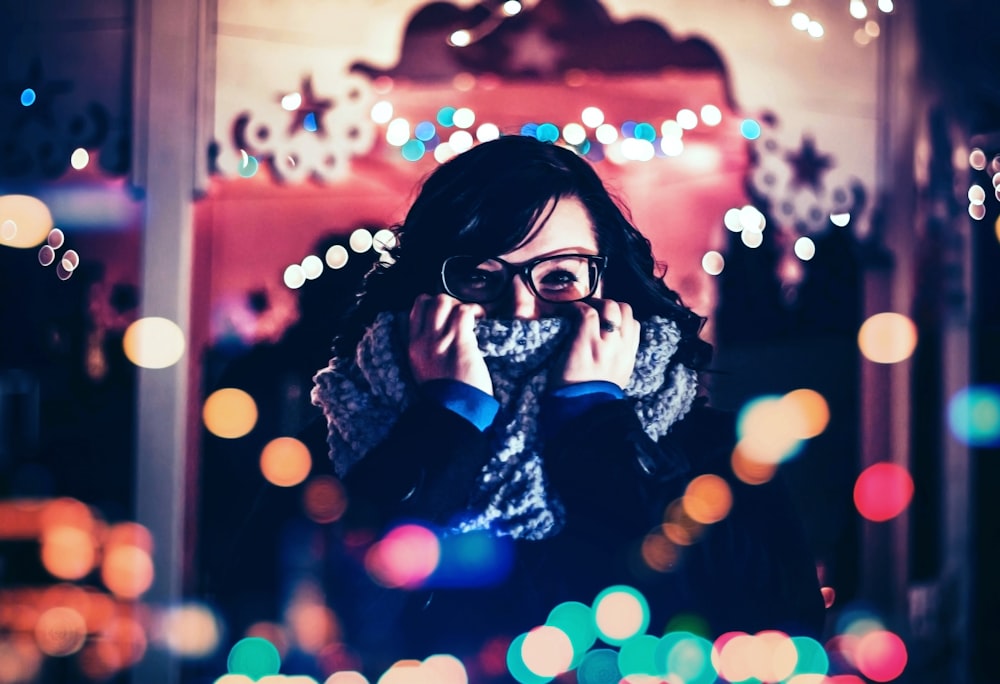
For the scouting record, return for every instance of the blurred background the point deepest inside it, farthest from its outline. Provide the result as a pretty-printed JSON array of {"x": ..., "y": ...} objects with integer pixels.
[{"x": 191, "y": 191}]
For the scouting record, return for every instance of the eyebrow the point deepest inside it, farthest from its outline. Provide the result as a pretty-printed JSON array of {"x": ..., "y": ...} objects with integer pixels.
[{"x": 557, "y": 252}]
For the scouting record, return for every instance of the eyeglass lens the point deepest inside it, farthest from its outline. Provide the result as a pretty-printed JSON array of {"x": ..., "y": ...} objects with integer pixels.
[{"x": 559, "y": 279}]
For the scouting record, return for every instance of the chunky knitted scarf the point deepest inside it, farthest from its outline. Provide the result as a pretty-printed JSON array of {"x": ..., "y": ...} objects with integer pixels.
[{"x": 363, "y": 397}]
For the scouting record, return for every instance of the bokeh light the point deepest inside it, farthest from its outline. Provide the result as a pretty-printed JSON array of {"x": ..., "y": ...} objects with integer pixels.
[
  {"x": 517, "y": 667},
  {"x": 812, "y": 657},
  {"x": 383, "y": 240},
  {"x": 887, "y": 337},
  {"x": 808, "y": 412},
  {"x": 880, "y": 655},
  {"x": 547, "y": 651},
  {"x": 382, "y": 112},
  {"x": 361, "y": 240},
  {"x": 26, "y": 221},
  {"x": 769, "y": 429},
  {"x": 463, "y": 117},
  {"x": 324, "y": 499},
  {"x": 592, "y": 117},
  {"x": 153, "y": 342},
  {"x": 443, "y": 668},
  {"x": 79, "y": 159},
  {"x": 346, "y": 677},
  {"x": 253, "y": 657},
  {"x": 397, "y": 132},
  {"x": 713, "y": 262},
  {"x": 750, "y": 129},
  {"x": 599, "y": 666},
  {"x": 60, "y": 631},
  {"x": 127, "y": 571},
  {"x": 805, "y": 248},
  {"x": 733, "y": 656},
  {"x": 711, "y": 115},
  {"x": 707, "y": 499},
  {"x": 637, "y": 657},
  {"x": 487, "y": 131},
  {"x": 229, "y": 413},
  {"x": 658, "y": 552},
  {"x": 191, "y": 630},
  {"x": 883, "y": 491},
  {"x": 294, "y": 277},
  {"x": 974, "y": 415},
  {"x": 68, "y": 552},
  {"x": 285, "y": 461},
  {"x": 687, "y": 658},
  {"x": 576, "y": 621},
  {"x": 405, "y": 557},
  {"x": 336, "y": 257},
  {"x": 121, "y": 643},
  {"x": 620, "y": 612},
  {"x": 312, "y": 267}
]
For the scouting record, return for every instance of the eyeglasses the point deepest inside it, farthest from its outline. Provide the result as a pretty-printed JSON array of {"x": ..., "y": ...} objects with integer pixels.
[{"x": 559, "y": 278}]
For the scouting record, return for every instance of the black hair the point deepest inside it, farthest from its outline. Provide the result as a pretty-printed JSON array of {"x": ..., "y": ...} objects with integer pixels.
[{"x": 485, "y": 202}]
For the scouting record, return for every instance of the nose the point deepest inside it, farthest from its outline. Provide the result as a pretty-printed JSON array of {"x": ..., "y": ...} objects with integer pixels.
[{"x": 525, "y": 304}]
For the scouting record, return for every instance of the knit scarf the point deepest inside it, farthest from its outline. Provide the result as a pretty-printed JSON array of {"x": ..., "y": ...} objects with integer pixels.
[{"x": 362, "y": 397}]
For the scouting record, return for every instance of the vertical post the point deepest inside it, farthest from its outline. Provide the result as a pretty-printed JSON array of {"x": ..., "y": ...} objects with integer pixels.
[
  {"x": 169, "y": 168},
  {"x": 886, "y": 420}
]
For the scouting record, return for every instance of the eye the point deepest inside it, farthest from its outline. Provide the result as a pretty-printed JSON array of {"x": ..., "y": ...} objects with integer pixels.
[{"x": 558, "y": 279}]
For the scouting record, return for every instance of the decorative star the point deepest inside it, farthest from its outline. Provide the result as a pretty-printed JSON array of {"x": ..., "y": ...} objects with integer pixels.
[
  {"x": 808, "y": 164},
  {"x": 310, "y": 105},
  {"x": 42, "y": 110},
  {"x": 533, "y": 51}
]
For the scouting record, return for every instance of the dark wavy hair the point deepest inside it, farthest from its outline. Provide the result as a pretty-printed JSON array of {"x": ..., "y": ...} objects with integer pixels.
[{"x": 484, "y": 202}]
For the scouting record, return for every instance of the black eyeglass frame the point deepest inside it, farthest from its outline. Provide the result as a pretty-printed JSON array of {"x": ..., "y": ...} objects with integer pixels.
[{"x": 598, "y": 262}]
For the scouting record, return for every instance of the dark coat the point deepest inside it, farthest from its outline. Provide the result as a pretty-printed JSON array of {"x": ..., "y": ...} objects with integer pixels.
[{"x": 749, "y": 572}]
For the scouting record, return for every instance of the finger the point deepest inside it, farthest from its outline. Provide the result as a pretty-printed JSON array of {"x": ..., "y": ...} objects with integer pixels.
[
  {"x": 418, "y": 315},
  {"x": 441, "y": 309},
  {"x": 588, "y": 317}
]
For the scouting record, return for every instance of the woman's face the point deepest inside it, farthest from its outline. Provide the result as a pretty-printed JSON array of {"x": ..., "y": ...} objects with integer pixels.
[{"x": 566, "y": 230}]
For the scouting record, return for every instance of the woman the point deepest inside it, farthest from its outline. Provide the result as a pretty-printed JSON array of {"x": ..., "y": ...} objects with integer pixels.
[{"x": 519, "y": 370}]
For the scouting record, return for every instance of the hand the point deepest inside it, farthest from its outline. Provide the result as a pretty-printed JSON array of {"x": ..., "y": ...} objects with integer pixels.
[
  {"x": 605, "y": 346},
  {"x": 443, "y": 341}
]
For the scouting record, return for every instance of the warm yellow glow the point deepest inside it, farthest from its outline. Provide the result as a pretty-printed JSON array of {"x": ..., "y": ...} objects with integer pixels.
[
  {"x": 707, "y": 499},
  {"x": 229, "y": 413},
  {"x": 60, "y": 631},
  {"x": 751, "y": 471},
  {"x": 285, "y": 461},
  {"x": 26, "y": 221},
  {"x": 658, "y": 552},
  {"x": 68, "y": 552},
  {"x": 153, "y": 342},
  {"x": 887, "y": 338},
  {"x": 127, "y": 571},
  {"x": 191, "y": 630},
  {"x": 808, "y": 410}
]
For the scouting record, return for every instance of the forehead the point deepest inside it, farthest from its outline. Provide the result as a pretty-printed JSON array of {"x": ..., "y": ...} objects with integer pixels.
[{"x": 567, "y": 228}]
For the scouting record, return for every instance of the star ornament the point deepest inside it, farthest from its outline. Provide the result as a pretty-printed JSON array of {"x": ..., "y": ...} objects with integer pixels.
[
  {"x": 808, "y": 165},
  {"x": 309, "y": 114}
]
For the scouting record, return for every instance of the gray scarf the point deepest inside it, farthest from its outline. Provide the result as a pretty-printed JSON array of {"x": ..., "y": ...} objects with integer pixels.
[{"x": 363, "y": 397}]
